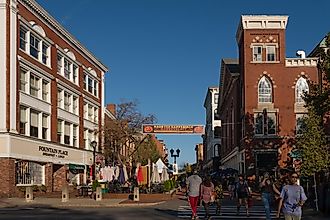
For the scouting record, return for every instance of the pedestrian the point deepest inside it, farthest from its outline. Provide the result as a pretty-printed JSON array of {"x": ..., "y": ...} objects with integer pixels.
[
  {"x": 193, "y": 190},
  {"x": 243, "y": 192},
  {"x": 231, "y": 187},
  {"x": 267, "y": 189},
  {"x": 218, "y": 189},
  {"x": 292, "y": 199},
  {"x": 207, "y": 191}
]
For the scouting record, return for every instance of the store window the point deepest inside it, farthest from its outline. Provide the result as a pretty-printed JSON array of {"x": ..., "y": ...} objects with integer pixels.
[{"x": 29, "y": 173}]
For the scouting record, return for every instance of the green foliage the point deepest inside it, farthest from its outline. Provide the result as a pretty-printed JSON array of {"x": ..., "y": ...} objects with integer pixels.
[
  {"x": 95, "y": 185},
  {"x": 146, "y": 150},
  {"x": 312, "y": 143}
]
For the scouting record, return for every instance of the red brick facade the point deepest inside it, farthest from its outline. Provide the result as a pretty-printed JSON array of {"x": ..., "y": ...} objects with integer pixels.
[{"x": 241, "y": 104}]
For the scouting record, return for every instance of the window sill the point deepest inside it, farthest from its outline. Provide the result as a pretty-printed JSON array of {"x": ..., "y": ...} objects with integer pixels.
[{"x": 265, "y": 62}]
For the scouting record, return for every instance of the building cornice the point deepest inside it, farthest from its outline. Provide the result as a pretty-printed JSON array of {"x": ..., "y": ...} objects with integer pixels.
[
  {"x": 43, "y": 15},
  {"x": 261, "y": 22}
]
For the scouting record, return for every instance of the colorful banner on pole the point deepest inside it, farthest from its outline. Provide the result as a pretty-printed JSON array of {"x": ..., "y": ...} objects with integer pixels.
[{"x": 172, "y": 129}]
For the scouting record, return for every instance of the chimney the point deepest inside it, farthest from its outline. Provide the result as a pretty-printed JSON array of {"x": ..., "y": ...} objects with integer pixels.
[{"x": 112, "y": 108}]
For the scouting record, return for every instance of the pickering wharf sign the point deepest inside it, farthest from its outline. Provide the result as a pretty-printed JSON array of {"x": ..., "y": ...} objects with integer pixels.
[
  {"x": 53, "y": 152},
  {"x": 172, "y": 129}
]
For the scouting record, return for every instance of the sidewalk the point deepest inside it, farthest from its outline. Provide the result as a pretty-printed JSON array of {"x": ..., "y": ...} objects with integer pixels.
[{"x": 113, "y": 201}]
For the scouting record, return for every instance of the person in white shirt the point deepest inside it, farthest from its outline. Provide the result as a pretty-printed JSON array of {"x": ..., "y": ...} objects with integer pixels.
[{"x": 193, "y": 189}]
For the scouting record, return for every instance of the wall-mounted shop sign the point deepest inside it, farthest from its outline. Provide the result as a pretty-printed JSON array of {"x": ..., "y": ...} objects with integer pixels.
[
  {"x": 172, "y": 129},
  {"x": 53, "y": 152}
]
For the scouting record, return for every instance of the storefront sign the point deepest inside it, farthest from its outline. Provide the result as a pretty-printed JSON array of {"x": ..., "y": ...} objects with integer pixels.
[
  {"x": 173, "y": 129},
  {"x": 53, "y": 152}
]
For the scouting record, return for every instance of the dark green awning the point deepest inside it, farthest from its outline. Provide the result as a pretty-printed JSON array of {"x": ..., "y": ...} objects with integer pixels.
[{"x": 76, "y": 166}]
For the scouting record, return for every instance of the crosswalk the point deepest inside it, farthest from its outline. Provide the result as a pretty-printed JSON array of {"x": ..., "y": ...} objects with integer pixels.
[{"x": 227, "y": 212}]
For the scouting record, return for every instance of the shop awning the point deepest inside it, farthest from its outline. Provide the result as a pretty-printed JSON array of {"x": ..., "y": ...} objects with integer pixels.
[{"x": 76, "y": 166}]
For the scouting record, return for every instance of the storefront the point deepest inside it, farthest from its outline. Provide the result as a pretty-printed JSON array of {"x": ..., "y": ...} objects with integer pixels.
[{"x": 30, "y": 162}]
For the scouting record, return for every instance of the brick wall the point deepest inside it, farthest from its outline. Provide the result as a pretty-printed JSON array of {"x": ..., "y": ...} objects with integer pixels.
[
  {"x": 59, "y": 177},
  {"x": 7, "y": 183},
  {"x": 49, "y": 177}
]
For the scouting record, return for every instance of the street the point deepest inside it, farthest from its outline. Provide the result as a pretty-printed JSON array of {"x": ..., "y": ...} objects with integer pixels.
[{"x": 172, "y": 209}]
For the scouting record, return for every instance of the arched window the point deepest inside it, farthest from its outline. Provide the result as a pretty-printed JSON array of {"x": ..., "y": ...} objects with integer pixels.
[
  {"x": 264, "y": 90},
  {"x": 301, "y": 87}
]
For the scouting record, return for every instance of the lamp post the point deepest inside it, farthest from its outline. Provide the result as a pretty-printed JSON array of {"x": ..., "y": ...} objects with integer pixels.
[
  {"x": 94, "y": 144},
  {"x": 175, "y": 170}
]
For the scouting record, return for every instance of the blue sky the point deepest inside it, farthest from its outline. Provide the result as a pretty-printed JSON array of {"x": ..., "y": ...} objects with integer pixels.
[{"x": 166, "y": 53}]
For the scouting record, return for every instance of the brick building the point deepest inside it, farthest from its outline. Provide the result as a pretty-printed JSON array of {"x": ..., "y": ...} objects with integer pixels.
[
  {"x": 260, "y": 102},
  {"x": 51, "y": 103}
]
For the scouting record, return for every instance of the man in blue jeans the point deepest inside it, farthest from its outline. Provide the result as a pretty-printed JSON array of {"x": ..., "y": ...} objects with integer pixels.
[{"x": 267, "y": 190}]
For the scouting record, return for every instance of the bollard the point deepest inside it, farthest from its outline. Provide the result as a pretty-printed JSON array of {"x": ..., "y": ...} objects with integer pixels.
[
  {"x": 136, "y": 194},
  {"x": 98, "y": 194},
  {"x": 28, "y": 194},
  {"x": 65, "y": 194}
]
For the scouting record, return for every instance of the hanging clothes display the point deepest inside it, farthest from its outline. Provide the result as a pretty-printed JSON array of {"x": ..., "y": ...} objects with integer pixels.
[{"x": 139, "y": 174}]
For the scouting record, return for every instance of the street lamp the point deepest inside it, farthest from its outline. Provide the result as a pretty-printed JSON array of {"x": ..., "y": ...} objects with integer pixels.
[
  {"x": 94, "y": 144},
  {"x": 175, "y": 155},
  {"x": 175, "y": 166}
]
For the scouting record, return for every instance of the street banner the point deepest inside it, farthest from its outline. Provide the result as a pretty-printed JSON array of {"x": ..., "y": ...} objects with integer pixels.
[{"x": 172, "y": 129}]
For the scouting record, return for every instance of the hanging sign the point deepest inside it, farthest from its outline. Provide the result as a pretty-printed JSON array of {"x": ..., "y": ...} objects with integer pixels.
[{"x": 172, "y": 129}]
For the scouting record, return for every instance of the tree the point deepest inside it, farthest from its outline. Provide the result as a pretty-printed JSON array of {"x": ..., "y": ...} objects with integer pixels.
[
  {"x": 313, "y": 146},
  {"x": 123, "y": 134},
  {"x": 146, "y": 150}
]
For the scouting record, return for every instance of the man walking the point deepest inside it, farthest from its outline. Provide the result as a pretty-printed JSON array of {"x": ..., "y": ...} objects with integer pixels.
[
  {"x": 193, "y": 188},
  {"x": 292, "y": 198}
]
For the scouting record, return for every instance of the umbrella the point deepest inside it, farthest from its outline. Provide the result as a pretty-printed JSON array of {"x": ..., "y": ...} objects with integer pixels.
[{"x": 164, "y": 175}]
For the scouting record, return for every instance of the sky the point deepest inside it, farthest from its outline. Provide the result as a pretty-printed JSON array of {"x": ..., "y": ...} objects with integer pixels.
[{"x": 166, "y": 53}]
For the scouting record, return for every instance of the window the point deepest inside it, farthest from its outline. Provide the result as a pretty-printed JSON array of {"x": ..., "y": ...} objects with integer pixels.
[
  {"x": 23, "y": 121},
  {"x": 216, "y": 150},
  {"x": 217, "y": 132},
  {"x": 257, "y": 53},
  {"x": 67, "y": 101},
  {"x": 75, "y": 105},
  {"x": 95, "y": 88},
  {"x": 301, "y": 88},
  {"x": 259, "y": 124},
  {"x": 265, "y": 123},
  {"x": 29, "y": 173},
  {"x": 85, "y": 81},
  {"x": 95, "y": 115},
  {"x": 45, "y": 90},
  {"x": 23, "y": 82},
  {"x": 67, "y": 69},
  {"x": 264, "y": 90},
  {"x": 75, "y": 74},
  {"x": 216, "y": 98},
  {"x": 34, "y": 85},
  {"x": 59, "y": 98},
  {"x": 45, "y": 56},
  {"x": 22, "y": 38},
  {"x": 44, "y": 126},
  {"x": 34, "y": 46},
  {"x": 90, "y": 113},
  {"x": 34, "y": 122},
  {"x": 59, "y": 63},
  {"x": 216, "y": 115},
  {"x": 300, "y": 124},
  {"x": 59, "y": 131},
  {"x": 90, "y": 85},
  {"x": 75, "y": 137},
  {"x": 270, "y": 53},
  {"x": 67, "y": 133}
]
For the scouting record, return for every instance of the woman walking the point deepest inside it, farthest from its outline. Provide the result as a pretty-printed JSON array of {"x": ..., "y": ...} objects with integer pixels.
[
  {"x": 207, "y": 190},
  {"x": 267, "y": 193},
  {"x": 219, "y": 196},
  {"x": 292, "y": 198},
  {"x": 243, "y": 193}
]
